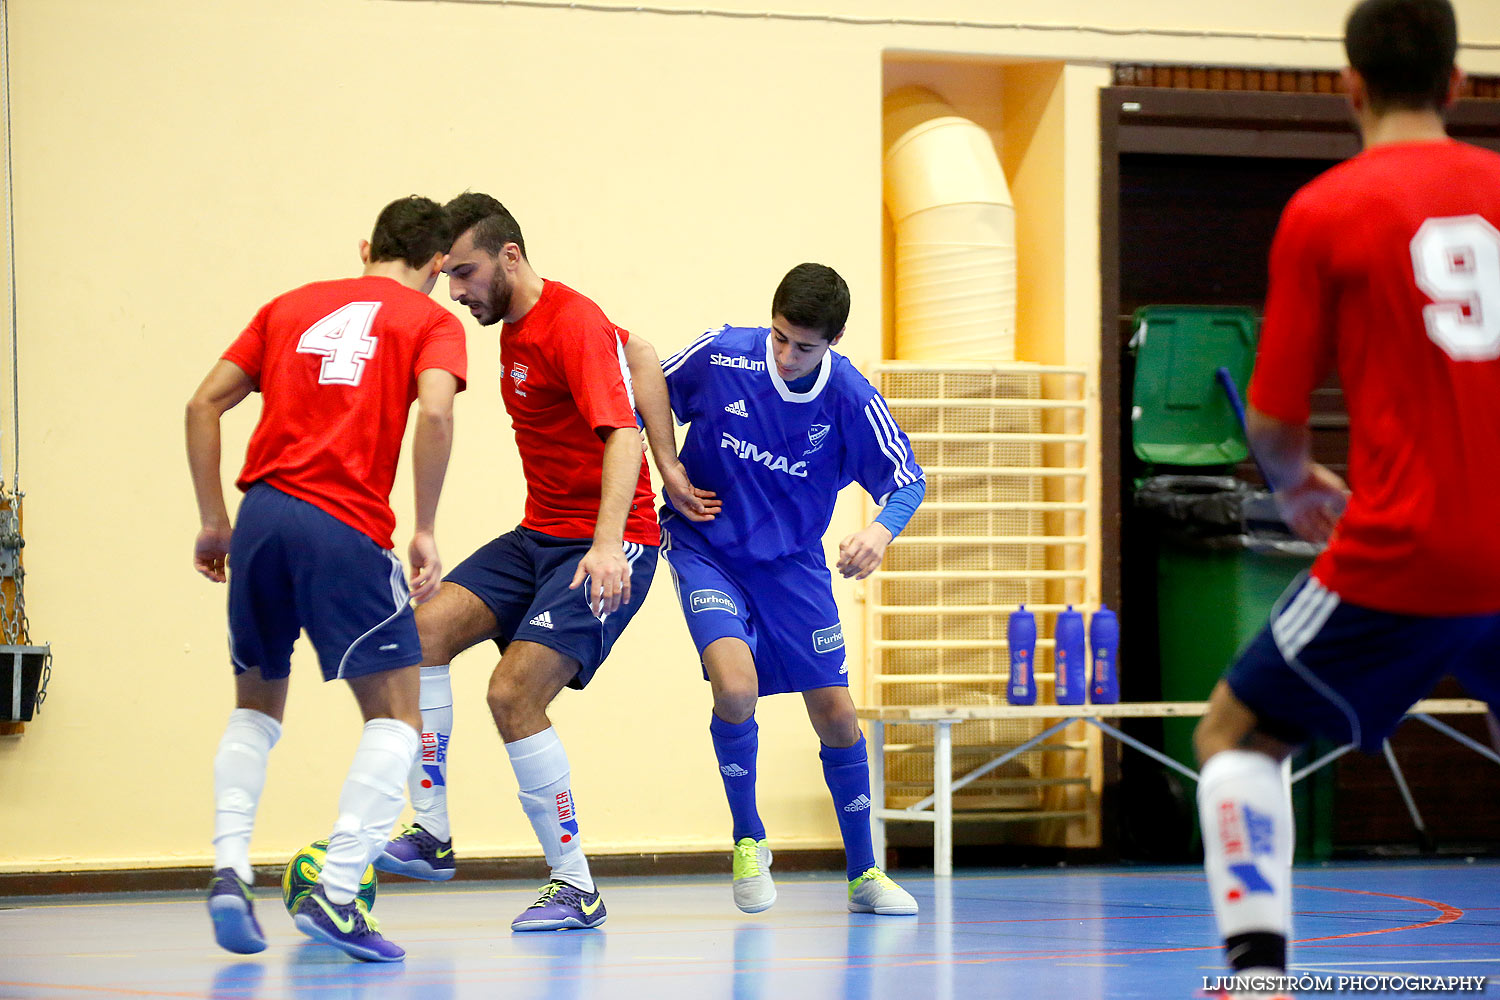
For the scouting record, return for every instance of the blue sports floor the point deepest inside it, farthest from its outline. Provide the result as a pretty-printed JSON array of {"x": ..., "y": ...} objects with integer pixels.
[{"x": 1077, "y": 934}]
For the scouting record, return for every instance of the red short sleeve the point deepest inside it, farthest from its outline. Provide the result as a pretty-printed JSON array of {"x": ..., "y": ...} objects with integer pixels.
[
  {"x": 249, "y": 349},
  {"x": 444, "y": 347},
  {"x": 593, "y": 365}
]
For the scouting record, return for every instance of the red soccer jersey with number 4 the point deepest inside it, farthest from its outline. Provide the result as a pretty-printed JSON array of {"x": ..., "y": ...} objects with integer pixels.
[
  {"x": 1388, "y": 266},
  {"x": 337, "y": 365}
]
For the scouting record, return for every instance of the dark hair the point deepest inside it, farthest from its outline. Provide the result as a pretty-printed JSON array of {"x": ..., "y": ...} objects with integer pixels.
[
  {"x": 471, "y": 208},
  {"x": 1404, "y": 50},
  {"x": 412, "y": 229},
  {"x": 814, "y": 297}
]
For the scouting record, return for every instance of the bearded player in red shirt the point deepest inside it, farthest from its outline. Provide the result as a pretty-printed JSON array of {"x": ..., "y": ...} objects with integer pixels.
[
  {"x": 338, "y": 365},
  {"x": 1388, "y": 267},
  {"x": 555, "y": 593}
]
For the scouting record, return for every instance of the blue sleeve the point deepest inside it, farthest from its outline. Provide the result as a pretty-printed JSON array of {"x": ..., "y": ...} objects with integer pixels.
[
  {"x": 880, "y": 452},
  {"x": 901, "y": 505},
  {"x": 684, "y": 372}
]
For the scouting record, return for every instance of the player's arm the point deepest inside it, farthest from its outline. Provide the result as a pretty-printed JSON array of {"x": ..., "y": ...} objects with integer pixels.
[
  {"x": 1296, "y": 352},
  {"x": 881, "y": 457},
  {"x": 222, "y": 389},
  {"x": 605, "y": 560},
  {"x": 431, "y": 445},
  {"x": 654, "y": 405},
  {"x": 861, "y": 553},
  {"x": 1310, "y": 496}
]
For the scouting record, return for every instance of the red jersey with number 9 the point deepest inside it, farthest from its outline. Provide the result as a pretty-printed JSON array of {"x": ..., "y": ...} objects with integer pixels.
[
  {"x": 1388, "y": 266},
  {"x": 336, "y": 363}
]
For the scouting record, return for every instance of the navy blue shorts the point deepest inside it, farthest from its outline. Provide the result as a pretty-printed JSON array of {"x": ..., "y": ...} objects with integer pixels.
[
  {"x": 293, "y": 566},
  {"x": 523, "y": 577},
  {"x": 1324, "y": 667},
  {"x": 783, "y": 610}
]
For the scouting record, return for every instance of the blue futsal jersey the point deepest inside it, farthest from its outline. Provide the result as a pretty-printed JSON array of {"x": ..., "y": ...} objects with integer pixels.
[{"x": 778, "y": 458}]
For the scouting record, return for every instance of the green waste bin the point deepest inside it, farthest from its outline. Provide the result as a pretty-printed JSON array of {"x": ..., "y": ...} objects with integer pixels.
[
  {"x": 1179, "y": 414},
  {"x": 1223, "y": 558}
]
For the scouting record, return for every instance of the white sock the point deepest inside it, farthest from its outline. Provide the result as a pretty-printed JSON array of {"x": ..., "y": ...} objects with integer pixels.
[
  {"x": 542, "y": 773},
  {"x": 369, "y": 805},
  {"x": 239, "y": 776},
  {"x": 429, "y": 775},
  {"x": 1287, "y": 844},
  {"x": 1245, "y": 810}
]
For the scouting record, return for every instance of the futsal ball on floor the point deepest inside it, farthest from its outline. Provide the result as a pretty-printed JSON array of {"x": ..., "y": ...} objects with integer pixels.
[{"x": 302, "y": 874}]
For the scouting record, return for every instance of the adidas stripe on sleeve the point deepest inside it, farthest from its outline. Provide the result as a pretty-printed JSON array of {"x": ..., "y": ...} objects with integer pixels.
[
  {"x": 883, "y": 455},
  {"x": 684, "y": 372}
]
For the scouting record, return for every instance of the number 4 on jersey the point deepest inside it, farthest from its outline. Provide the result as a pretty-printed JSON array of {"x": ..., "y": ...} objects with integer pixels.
[{"x": 343, "y": 339}]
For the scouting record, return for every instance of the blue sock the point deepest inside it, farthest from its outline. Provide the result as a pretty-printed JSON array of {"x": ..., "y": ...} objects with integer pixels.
[
  {"x": 735, "y": 746},
  {"x": 847, "y": 771}
]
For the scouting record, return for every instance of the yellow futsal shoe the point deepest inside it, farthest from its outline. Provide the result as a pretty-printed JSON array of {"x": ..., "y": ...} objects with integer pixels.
[
  {"x": 877, "y": 892},
  {"x": 753, "y": 889}
]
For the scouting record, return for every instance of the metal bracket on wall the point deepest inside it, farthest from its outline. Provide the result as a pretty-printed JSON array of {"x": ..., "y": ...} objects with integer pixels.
[{"x": 11, "y": 543}]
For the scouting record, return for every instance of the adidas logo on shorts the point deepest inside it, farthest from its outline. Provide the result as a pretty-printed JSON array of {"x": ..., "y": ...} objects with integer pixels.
[
  {"x": 858, "y": 805},
  {"x": 543, "y": 620},
  {"x": 737, "y": 408},
  {"x": 733, "y": 770}
]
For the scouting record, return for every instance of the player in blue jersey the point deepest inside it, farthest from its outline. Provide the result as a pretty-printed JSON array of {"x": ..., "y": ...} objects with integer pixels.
[{"x": 779, "y": 425}]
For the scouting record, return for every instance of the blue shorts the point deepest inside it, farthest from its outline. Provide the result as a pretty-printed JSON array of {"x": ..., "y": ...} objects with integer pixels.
[
  {"x": 783, "y": 610},
  {"x": 523, "y": 577},
  {"x": 293, "y": 566},
  {"x": 1324, "y": 667}
]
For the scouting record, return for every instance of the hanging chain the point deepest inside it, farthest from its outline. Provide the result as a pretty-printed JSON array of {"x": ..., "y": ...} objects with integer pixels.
[
  {"x": 10, "y": 252},
  {"x": 15, "y": 628},
  {"x": 14, "y": 625}
]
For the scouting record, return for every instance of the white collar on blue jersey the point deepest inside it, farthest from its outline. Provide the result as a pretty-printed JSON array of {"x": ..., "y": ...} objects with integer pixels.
[{"x": 825, "y": 368}]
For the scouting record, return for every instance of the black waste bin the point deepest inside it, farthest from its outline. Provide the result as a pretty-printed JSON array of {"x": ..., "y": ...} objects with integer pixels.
[{"x": 1223, "y": 557}]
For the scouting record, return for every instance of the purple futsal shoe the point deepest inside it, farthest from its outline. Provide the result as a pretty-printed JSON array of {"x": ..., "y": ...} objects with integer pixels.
[
  {"x": 348, "y": 927},
  {"x": 561, "y": 907},
  {"x": 418, "y": 854},
  {"x": 230, "y": 908}
]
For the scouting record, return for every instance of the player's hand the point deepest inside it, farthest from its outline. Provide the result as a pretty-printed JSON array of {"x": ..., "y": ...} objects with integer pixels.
[
  {"x": 687, "y": 499},
  {"x": 426, "y": 568},
  {"x": 609, "y": 571},
  {"x": 211, "y": 552},
  {"x": 1312, "y": 508},
  {"x": 861, "y": 552}
]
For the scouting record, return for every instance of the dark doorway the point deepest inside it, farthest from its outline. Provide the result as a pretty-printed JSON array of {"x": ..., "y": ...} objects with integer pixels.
[{"x": 1193, "y": 183}]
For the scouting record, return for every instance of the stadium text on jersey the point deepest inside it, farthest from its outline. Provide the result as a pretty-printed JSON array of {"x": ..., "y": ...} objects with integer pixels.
[{"x": 728, "y": 361}]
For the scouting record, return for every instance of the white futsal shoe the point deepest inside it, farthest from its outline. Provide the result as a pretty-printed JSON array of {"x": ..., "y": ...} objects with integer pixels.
[
  {"x": 877, "y": 892},
  {"x": 753, "y": 889}
]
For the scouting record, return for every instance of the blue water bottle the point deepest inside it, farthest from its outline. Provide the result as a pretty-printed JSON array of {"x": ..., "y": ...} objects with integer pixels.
[
  {"x": 1104, "y": 644},
  {"x": 1068, "y": 658},
  {"x": 1020, "y": 633}
]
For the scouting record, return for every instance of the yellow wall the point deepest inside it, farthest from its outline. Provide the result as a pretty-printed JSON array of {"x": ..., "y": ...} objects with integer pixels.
[{"x": 177, "y": 163}]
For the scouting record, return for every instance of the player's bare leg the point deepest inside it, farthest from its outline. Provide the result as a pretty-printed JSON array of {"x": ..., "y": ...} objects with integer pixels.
[
  {"x": 846, "y": 769},
  {"x": 523, "y": 684},
  {"x": 831, "y": 711},
  {"x": 731, "y": 675},
  {"x": 1244, "y": 806},
  {"x": 452, "y": 621},
  {"x": 736, "y": 738}
]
